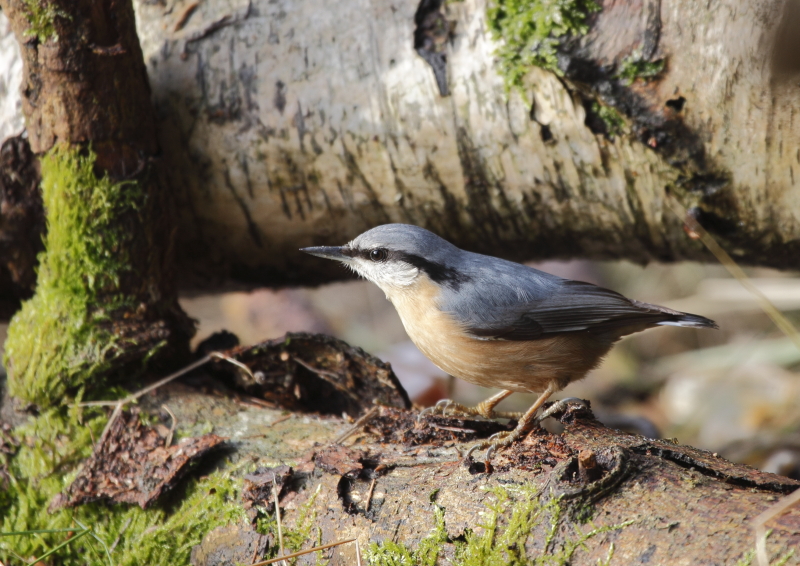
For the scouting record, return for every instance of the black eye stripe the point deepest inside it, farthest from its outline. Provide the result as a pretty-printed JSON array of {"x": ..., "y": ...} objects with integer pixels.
[{"x": 439, "y": 273}]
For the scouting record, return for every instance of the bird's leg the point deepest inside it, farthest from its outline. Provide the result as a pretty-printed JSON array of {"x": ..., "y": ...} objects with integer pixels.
[
  {"x": 524, "y": 426},
  {"x": 484, "y": 408}
]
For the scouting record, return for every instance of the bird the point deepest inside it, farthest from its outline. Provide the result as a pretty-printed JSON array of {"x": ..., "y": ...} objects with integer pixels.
[{"x": 494, "y": 322}]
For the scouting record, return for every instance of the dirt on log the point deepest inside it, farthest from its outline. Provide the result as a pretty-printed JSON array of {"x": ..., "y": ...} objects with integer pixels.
[{"x": 590, "y": 495}]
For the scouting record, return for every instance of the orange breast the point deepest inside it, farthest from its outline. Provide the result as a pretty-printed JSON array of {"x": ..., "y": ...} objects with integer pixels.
[{"x": 514, "y": 365}]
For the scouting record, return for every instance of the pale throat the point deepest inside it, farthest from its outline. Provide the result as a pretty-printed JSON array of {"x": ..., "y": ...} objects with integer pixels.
[{"x": 398, "y": 280}]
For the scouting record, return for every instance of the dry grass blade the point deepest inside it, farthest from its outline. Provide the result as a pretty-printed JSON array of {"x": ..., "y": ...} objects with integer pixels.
[
  {"x": 760, "y": 523},
  {"x": 173, "y": 426},
  {"x": 302, "y": 552},
  {"x": 278, "y": 514},
  {"x": 358, "y": 424},
  {"x": 737, "y": 272}
]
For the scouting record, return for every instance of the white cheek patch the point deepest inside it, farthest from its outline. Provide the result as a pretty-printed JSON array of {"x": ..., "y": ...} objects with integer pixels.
[{"x": 389, "y": 274}]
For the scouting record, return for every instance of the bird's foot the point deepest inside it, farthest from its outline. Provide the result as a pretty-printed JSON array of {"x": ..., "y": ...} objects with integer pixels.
[
  {"x": 562, "y": 406},
  {"x": 449, "y": 407},
  {"x": 497, "y": 440},
  {"x": 507, "y": 438}
]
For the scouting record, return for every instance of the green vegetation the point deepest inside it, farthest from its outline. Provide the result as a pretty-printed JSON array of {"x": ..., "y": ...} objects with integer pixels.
[
  {"x": 51, "y": 448},
  {"x": 62, "y": 339},
  {"x": 613, "y": 120},
  {"x": 294, "y": 538},
  {"x": 531, "y": 31},
  {"x": 392, "y": 554},
  {"x": 635, "y": 67},
  {"x": 41, "y": 15},
  {"x": 501, "y": 542}
]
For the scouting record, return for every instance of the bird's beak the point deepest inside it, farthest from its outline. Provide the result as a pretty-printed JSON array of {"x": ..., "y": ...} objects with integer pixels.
[{"x": 328, "y": 252}]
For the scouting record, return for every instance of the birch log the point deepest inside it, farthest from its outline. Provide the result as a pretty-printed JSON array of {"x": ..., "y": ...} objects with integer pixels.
[{"x": 294, "y": 123}]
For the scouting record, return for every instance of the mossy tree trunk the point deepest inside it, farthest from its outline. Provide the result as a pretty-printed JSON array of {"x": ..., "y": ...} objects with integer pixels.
[{"x": 105, "y": 301}]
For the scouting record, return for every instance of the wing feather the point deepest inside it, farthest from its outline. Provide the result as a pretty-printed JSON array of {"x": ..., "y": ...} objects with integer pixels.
[{"x": 552, "y": 305}]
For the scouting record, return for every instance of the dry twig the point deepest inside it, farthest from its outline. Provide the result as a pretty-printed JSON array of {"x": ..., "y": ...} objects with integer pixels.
[
  {"x": 358, "y": 424},
  {"x": 302, "y": 552},
  {"x": 698, "y": 232},
  {"x": 369, "y": 495}
]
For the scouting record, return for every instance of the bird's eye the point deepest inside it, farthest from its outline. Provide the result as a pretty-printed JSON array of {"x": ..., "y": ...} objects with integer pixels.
[{"x": 378, "y": 254}]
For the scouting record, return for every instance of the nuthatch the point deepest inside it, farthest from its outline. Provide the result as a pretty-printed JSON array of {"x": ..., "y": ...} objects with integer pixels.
[{"x": 494, "y": 322}]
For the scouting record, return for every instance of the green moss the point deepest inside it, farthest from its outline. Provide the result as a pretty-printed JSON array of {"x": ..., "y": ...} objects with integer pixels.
[
  {"x": 41, "y": 15},
  {"x": 502, "y": 539},
  {"x": 304, "y": 532},
  {"x": 613, "y": 120},
  {"x": 531, "y": 31},
  {"x": 60, "y": 339},
  {"x": 52, "y": 446},
  {"x": 635, "y": 67}
]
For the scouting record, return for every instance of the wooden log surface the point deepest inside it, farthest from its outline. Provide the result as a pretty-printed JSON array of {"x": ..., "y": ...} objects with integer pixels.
[{"x": 646, "y": 502}]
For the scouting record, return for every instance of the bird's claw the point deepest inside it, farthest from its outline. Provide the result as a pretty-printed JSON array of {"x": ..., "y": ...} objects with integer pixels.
[
  {"x": 441, "y": 408},
  {"x": 562, "y": 406},
  {"x": 497, "y": 440}
]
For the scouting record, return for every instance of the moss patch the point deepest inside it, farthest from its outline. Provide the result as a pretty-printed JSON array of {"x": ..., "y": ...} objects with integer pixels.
[
  {"x": 502, "y": 539},
  {"x": 305, "y": 531},
  {"x": 427, "y": 553},
  {"x": 531, "y": 31},
  {"x": 635, "y": 67},
  {"x": 612, "y": 119},
  {"x": 41, "y": 15},
  {"x": 52, "y": 446},
  {"x": 61, "y": 338}
]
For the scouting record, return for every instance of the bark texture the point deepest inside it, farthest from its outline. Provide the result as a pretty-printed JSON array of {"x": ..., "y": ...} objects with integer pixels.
[
  {"x": 654, "y": 501},
  {"x": 287, "y": 124},
  {"x": 290, "y": 124},
  {"x": 21, "y": 223}
]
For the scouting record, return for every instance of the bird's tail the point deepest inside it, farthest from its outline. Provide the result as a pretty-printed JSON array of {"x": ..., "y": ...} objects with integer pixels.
[
  {"x": 676, "y": 318},
  {"x": 689, "y": 320}
]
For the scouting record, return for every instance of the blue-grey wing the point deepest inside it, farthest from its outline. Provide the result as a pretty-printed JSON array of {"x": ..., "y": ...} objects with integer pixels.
[{"x": 504, "y": 300}]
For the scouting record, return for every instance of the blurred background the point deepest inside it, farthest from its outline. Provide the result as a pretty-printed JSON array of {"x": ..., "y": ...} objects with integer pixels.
[{"x": 734, "y": 391}]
